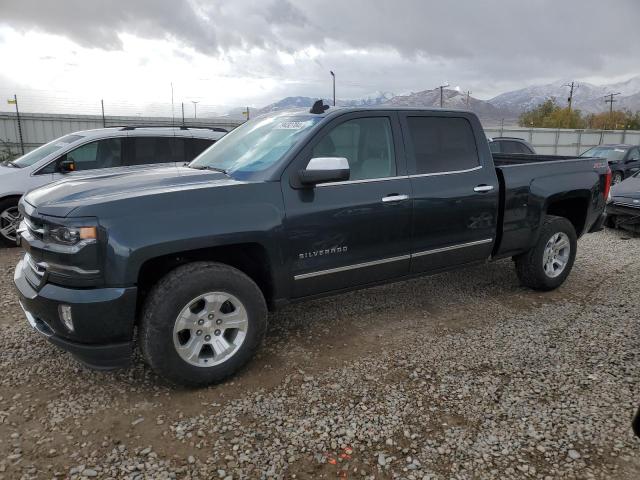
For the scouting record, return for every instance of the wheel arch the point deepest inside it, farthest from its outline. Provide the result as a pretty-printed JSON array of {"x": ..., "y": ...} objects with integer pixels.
[
  {"x": 250, "y": 258},
  {"x": 573, "y": 207}
]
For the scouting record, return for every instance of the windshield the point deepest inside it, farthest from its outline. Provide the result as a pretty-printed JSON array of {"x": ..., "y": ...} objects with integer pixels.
[
  {"x": 45, "y": 150},
  {"x": 255, "y": 145},
  {"x": 610, "y": 153}
]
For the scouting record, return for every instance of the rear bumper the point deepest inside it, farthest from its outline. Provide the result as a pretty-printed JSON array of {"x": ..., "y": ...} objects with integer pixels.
[
  {"x": 103, "y": 320},
  {"x": 622, "y": 216}
]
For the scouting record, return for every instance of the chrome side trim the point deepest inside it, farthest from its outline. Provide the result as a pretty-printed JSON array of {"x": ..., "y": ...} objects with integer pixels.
[
  {"x": 318, "y": 273},
  {"x": 452, "y": 247},
  {"x": 366, "y": 180},
  {"x": 452, "y": 172},
  {"x": 302, "y": 276}
]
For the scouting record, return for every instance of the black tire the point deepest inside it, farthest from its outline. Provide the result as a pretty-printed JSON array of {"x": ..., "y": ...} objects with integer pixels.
[
  {"x": 175, "y": 291},
  {"x": 617, "y": 177},
  {"x": 5, "y": 205},
  {"x": 529, "y": 265}
]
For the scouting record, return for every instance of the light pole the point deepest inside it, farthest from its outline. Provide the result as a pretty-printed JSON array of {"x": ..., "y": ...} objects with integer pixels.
[
  {"x": 195, "y": 108},
  {"x": 441, "y": 87},
  {"x": 333, "y": 76}
]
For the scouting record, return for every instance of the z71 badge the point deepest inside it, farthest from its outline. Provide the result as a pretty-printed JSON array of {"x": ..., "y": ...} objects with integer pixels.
[{"x": 326, "y": 251}]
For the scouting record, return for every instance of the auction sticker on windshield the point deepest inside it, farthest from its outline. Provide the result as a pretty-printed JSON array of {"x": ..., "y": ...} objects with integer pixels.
[{"x": 293, "y": 125}]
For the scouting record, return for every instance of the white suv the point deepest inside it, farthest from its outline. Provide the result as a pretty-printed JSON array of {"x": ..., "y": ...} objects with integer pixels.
[{"x": 93, "y": 152}]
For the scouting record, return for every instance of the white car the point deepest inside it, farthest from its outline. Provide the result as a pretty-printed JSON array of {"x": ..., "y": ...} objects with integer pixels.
[{"x": 93, "y": 152}]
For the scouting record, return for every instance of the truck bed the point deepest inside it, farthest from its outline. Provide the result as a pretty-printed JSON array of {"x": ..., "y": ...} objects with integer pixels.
[
  {"x": 529, "y": 182},
  {"x": 507, "y": 159}
]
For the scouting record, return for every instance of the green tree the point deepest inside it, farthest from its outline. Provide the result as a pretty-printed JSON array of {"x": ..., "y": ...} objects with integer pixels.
[
  {"x": 551, "y": 115},
  {"x": 537, "y": 115},
  {"x": 616, "y": 120}
]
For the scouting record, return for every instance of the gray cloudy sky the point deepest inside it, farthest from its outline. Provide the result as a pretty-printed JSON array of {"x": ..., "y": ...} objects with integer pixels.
[{"x": 243, "y": 52}]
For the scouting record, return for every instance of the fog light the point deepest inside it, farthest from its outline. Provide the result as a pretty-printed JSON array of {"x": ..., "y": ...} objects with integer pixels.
[{"x": 65, "y": 316}]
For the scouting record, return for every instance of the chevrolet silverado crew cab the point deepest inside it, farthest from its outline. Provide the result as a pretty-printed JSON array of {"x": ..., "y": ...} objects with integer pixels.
[{"x": 288, "y": 207}]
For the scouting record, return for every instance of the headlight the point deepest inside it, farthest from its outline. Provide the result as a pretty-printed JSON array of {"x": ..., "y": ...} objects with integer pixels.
[{"x": 70, "y": 235}]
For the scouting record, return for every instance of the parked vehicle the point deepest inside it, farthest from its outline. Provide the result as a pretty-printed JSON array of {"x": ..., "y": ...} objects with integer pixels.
[
  {"x": 288, "y": 207},
  {"x": 624, "y": 160},
  {"x": 95, "y": 152},
  {"x": 510, "y": 145},
  {"x": 623, "y": 208}
]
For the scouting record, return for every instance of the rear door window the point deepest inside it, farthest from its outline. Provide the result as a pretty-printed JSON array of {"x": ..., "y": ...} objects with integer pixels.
[
  {"x": 197, "y": 146},
  {"x": 494, "y": 147},
  {"x": 152, "y": 150},
  {"x": 442, "y": 144}
]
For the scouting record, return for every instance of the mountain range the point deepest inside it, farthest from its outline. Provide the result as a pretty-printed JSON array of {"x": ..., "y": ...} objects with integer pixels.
[{"x": 588, "y": 98}]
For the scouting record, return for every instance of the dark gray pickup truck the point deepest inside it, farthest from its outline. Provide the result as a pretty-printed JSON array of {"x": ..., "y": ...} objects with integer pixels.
[{"x": 288, "y": 207}]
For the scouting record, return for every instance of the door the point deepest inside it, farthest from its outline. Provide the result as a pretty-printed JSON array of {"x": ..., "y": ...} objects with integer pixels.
[
  {"x": 455, "y": 190},
  {"x": 632, "y": 163},
  {"x": 354, "y": 232}
]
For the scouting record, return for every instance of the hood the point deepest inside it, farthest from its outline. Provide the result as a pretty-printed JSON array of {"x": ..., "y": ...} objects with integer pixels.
[
  {"x": 630, "y": 188},
  {"x": 60, "y": 198}
]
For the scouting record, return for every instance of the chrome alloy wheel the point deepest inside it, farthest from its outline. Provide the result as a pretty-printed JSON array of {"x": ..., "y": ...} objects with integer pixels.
[
  {"x": 210, "y": 329},
  {"x": 9, "y": 221},
  {"x": 556, "y": 254}
]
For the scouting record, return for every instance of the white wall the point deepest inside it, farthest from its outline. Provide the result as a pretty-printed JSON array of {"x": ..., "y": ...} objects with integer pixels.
[{"x": 565, "y": 142}]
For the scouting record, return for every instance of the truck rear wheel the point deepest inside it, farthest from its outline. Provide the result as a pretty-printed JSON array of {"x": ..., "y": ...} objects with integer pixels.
[
  {"x": 201, "y": 323},
  {"x": 547, "y": 265}
]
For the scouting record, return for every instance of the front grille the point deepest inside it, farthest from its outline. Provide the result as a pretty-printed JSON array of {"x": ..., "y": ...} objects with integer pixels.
[{"x": 34, "y": 271}]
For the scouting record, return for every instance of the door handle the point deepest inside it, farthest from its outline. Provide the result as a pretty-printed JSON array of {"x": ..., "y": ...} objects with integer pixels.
[
  {"x": 394, "y": 198},
  {"x": 483, "y": 188}
]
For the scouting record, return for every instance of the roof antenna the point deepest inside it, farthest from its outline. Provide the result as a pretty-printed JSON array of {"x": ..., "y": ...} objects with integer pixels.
[{"x": 318, "y": 107}]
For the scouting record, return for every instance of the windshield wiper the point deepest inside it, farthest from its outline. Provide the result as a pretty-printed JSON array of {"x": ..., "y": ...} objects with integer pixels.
[
  {"x": 216, "y": 169},
  {"x": 206, "y": 167}
]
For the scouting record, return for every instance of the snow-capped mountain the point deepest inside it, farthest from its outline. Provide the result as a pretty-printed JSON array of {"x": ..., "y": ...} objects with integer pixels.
[
  {"x": 505, "y": 107},
  {"x": 451, "y": 99},
  {"x": 587, "y": 97},
  {"x": 288, "y": 103}
]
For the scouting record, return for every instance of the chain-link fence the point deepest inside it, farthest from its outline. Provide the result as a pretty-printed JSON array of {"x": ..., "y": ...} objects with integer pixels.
[{"x": 35, "y": 129}]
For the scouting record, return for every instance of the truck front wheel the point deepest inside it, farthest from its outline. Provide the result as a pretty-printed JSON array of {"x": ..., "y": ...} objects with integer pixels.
[
  {"x": 201, "y": 323},
  {"x": 547, "y": 265}
]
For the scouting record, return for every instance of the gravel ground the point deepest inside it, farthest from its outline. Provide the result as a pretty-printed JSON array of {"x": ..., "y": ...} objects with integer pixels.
[{"x": 461, "y": 375}]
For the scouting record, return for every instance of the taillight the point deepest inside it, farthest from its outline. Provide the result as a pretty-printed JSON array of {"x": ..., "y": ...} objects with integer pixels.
[{"x": 607, "y": 184}]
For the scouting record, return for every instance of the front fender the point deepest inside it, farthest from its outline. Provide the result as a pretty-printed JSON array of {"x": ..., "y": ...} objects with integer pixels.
[{"x": 143, "y": 228}]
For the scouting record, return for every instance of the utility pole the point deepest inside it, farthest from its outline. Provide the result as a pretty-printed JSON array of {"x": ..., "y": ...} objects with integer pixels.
[
  {"x": 15, "y": 102},
  {"x": 572, "y": 86},
  {"x": 173, "y": 115},
  {"x": 104, "y": 123},
  {"x": 246, "y": 113},
  {"x": 609, "y": 99},
  {"x": 441, "y": 87},
  {"x": 333, "y": 76},
  {"x": 182, "y": 113},
  {"x": 195, "y": 108},
  {"x": 468, "y": 94}
]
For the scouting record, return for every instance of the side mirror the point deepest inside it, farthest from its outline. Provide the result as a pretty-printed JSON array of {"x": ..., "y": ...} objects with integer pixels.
[
  {"x": 325, "y": 169},
  {"x": 67, "y": 166}
]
